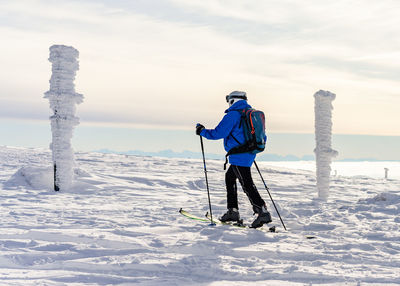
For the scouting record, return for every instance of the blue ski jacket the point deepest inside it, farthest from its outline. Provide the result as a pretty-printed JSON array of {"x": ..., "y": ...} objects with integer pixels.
[{"x": 229, "y": 126}]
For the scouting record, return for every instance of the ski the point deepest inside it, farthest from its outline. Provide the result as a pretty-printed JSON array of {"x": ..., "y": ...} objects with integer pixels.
[
  {"x": 191, "y": 216},
  {"x": 207, "y": 218}
]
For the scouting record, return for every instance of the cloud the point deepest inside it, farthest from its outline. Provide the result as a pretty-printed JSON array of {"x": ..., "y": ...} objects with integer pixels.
[{"x": 172, "y": 66}]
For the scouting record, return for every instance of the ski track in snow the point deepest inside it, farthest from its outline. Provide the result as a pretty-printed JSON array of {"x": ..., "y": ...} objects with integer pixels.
[{"x": 120, "y": 225}]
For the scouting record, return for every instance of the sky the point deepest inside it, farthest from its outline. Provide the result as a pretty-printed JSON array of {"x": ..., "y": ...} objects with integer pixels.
[{"x": 163, "y": 65}]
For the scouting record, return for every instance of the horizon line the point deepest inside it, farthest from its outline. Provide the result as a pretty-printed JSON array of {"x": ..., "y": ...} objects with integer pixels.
[{"x": 168, "y": 153}]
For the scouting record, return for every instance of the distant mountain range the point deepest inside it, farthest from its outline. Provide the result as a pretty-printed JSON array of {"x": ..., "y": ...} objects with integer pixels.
[{"x": 197, "y": 155}]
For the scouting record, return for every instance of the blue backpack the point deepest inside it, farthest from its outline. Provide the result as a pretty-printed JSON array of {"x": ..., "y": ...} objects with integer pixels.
[{"x": 253, "y": 122}]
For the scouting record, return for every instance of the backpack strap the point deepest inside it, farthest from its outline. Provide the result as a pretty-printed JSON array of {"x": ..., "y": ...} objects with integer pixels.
[{"x": 229, "y": 152}]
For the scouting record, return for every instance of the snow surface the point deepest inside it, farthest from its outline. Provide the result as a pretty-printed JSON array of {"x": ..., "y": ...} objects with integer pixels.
[
  {"x": 119, "y": 225},
  {"x": 323, "y": 137}
]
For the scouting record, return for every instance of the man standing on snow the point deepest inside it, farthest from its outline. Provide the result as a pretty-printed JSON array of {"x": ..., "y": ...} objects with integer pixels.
[{"x": 231, "y": 131}]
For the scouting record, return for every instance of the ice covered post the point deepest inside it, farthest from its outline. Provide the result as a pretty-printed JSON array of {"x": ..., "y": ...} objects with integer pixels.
[
  {"x": 386, "y": 172},
  {"x": 323, "y": 136},
  {"x": 63, "y": 100}
]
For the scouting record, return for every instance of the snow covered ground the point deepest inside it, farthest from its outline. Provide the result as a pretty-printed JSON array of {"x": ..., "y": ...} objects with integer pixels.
[{"x": 120, "y": 225}]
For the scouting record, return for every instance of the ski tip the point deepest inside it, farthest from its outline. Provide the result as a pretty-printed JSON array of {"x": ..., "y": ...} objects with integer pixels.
[{"x": 212, "y": 224}]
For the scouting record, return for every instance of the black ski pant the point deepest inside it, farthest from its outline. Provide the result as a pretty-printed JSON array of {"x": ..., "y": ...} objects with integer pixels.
[{"x": 244, "y": 175}]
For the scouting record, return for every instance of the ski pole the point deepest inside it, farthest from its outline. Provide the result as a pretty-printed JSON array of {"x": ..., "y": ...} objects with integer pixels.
[
  {"x": 266, "y": 187},
  {"x": 205, "y": 173}
]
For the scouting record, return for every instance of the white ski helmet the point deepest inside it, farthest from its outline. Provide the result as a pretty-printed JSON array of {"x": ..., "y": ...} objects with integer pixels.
[{"x": 235, "y": 96}]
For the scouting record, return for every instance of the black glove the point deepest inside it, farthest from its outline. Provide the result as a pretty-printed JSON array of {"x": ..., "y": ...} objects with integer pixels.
[{"x": 199, "y": 128}]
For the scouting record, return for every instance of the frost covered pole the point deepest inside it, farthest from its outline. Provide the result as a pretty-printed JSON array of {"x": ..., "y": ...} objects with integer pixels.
[
  {"x": 386, "y": 173},
  {"x": 63, "y": 98},
  {"x": 323, "y": 136}
]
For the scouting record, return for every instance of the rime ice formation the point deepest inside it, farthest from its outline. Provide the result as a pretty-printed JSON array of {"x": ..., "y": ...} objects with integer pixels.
[
  {"x": 323, "y": 135},
  {"x": 386, "y": 173},
  {"x": 63, "y": 100}
]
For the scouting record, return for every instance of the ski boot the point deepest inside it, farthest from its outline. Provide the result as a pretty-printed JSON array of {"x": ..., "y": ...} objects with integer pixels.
[
  {"x": 263, "y": 217},
  {"x": 231, "y": 215}
]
